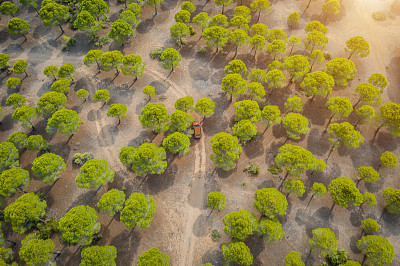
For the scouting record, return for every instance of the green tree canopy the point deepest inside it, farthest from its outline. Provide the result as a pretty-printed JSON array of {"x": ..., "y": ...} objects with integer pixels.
[
  {"x": 110, "y": 60},
  {"x": 223, "y": 3},
  {"x": 342, "y": 70},
  {"x": 99, "y": 255},
  {"x": 318, "y": 189},
  {"x": 204, "y": 107},
  {"x": 66, "y": 71},
  {"x": 346, "y": 133},
  {"x": 65, "y": 121},
  {"x": 79, "y": 225},
  {"x": 297, "y": 66},
  {"x": 13, "y": 83},
  {"x": 257, "y": 75},
  {"x": 25, "y": 114},
  {"x": 293, "y": 259},
  {"x": 177, "y": 143},
  {"x": 61, "y": 86},
  {"x": 294, "y": 104},
  {"x": 8, "y": 156},
  {"x": 256, "y": 91},
  {"x": 54, "y": 14},
  {"x": 236, "y": 66},
  {"x": 234, "y": 84},
  {"x": 368, "y": 93},
  {"x": 20, "y": 66},
  {"x": 295, "y": 125},
  {"x": 18, "y": 26},
  {"x": 315, "y": 25},
  {"x": 275, "y": 79},
  {"x": 247, "y": 110},
  {"x": 155, "y": 117},
  {"x": 149, "y": 90},
  {"x": 343, "y": 190},
  {"x": 129, "y": 17},
  {"x": 378, "y": 249},
  {"x": 36, "y": 143},
  {"x": 315, "y": 40},
  {"x": 316, "y": 56},
  {"x": 25, "y": 212},
  {"x": 331, "y": 7},
  {"x": 216, "y": 36},
  {"x": 8, "y": 8},
  {"x": 240, "y": 224},
  {"x": 292, "y": 19},
  {"x": 368, "y": 174},
  {"x": 237, "y": 253},
  {"x": 188, "y": 6},
  {"x": 339, "y": 106},
  {"x": 135, "y": 8},
  {"x": 97, "y": 8},
  {"x": 181, "y": 122},
  {"x": 202, "y": 20},
  {"x": 126, "y": 156},
  {"x": 216, "y": 200},
  {"x": 13, "y": 179},
  {"x": 179, "y": 31},
  {"x": 138, "y": 211},
  {"x": 154, "y": 3},
  {"x": 51, "y": 72},
  {"x": 50, "y": 102},
  {"x": 153, "y": 257},
  {"x": 366, "y": 113},
  {"x": 295, "y": 187},
  {"x": 36, "y": 251},
  {"x": 388, "y": 159},
  {"x": 149, "y": 159},
  {"x": 19, "y": 139},
  {"x": 270, "y": 202},
  {"x": 276, "y": 34},
  {"x": 182, "y": 16},
  {"x": 120, "y": 31},
  {"x": 117, "y": 110},
  {"x": 226, "y": 150},
  {"x": 111, "y": 202},
  {"x": 271, "y": 231},
  {"x": 245, "y": 130},
  {"x": 258, "y": 5},
  {"x": 357, "y": 46},
  {"x": 270, "y": 114},
  {"x": 48, "y": 167},
  {"x": 170, "y": 58},
  {"x": 4, "y": 61},
  {"x": 82, "y": 94},
  {"x": 94, "y": 56},
  {"x": 102, "y": 96},
  {"x": 259, "y": 29},
  {"x": 323, "y": 241},
  {"x": 317, "y": 83},
  {"x": 94, "y": 173},
  {"x": 277, "y": 48},
  {"x": 87, "y": 23},
  {"x": 392, "y": 197},
  {"x": 389, "y": 116},
  {"x": 378, "y": 80},
  {"x": 293, "y": 41},
  {"x": 369, "y": 199},
  {"x": 184, "y": 104},
  {"x": 369, "y": 225}
]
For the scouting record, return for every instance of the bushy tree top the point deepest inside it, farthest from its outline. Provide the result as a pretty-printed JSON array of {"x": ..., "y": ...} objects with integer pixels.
[
  {"x": 99, "y": 255},
  {"x": 117, "y": 110},
  {"x": 170, "y": 58},
  {"x": 315, "y": 25},
  {"x": 15, "y": 100},
  {"x": 295, "y": 124},
  {"x": 153, "y": 257},
  {"x": 8, "y": 156},
  {"x": 50, "y": 102},
  {"x": 317, "y": 83},
  {"x": 296, "y": 187},
  {"x": 102, "y": 96},
  {"x": 61, "y": 86},
  {"x": 392, "y": 197},
  {"x": 389, "y": 116},
  {"x": 357, "y": 46},
  {"x": 185, "y": 104},
  {"x": 240, "y": 224},
  {"x": 368, "y": 93},
  {"x": 346, "y": 133},
  {"x": 293, "y": 259},
  {"x": 17, "y": 25},
  {"x": 12, "y": 179},
  {"x": 155, "y": 117},
  {"x": 216, "y": 201},
  {"x": 378, "y": 249},
  {"x": 343, "y": 190},
  {"x": 342, "y": 70},
  {"x": 94, "y": 173},
  {"x": 138, "y": 211},
  {"x": 149, "y": 159},
  {"x": 204, "y": 107},
  {"x": 35, "y": 251},
  {"x": 226, "y": 150},
  {"x": 177, "y": 143},
  {"x": 48, "y": 167},
  {"x": 323, "y": 241},
  {"x": 271, "y": 231},
  {"x": 19, "y": 139},
  {"x": 368, "y": 174},
  {"x": 64, "y": 121},
  {"x": 389, "y": 159},
  {"x": 318, "y": 189},
  {"x": 369, "y": 225},
  {"x": 237, "y": 252},
  {"x": 270, "y": 202},
  {"x": 247, "y": 110}
]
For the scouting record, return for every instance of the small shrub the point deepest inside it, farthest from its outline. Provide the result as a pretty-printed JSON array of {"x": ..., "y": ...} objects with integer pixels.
[
  {"x": 253, "y": 169},
  {"x": 338, "y": 257},
  {"x": 156, "y": 53},
  {"x": 69, "y": 42},
  {"x": 103, "y": 40},
  {"x": 275, "y": 169},
  {"x": 192, "y": 31},
  {"x": 327, "y": 56},
  {"x": 202, "y": 51},
  {"x": 41, "y": 195},
  {"x": 379, "y": 15},
  {"x": 215, "y": 235},
  {"x": 81, "y": 158},
  {"x": 47, "y": 228}
]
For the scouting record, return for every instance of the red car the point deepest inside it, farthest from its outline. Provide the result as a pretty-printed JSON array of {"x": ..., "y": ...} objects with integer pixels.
[{"x": 197, "y": 130}]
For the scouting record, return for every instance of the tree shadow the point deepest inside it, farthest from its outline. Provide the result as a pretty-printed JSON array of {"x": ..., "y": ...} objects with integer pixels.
[
  {"x": 4, "y": 36},
  {"x": 168, "y": 5},
  {"x": 87, "y": 198},
  {"x": 320, "y": 219},
  {"x": 127, "y": 246},
  {"x": 353, "y": 243},
  {"x": 144, "y": 136},
  {"x": 256, "y": 245},
  {"x": 45, "y": 87},
  {"x": 390, "y": 223},
  {"x": 94, "y": 115},
  {"x": 317, "y": 143},
  {"x": 157, "y": 183},
  {"x": 254, "y": 148},
  {"x": 200, "y": 70},
  {"x": 199, "y": 228},
  {"x": 107, "y": 136},
  {"x": 213, "y": 256},
  {"x": 145, "y": 26},
  {"x": 42, "y": 50},
  {"x": 7, "y": 123},
  {"x": 356, "y": 218},
  {"x": 315, "y": 111},
  {"x": 14, "y": 50}
]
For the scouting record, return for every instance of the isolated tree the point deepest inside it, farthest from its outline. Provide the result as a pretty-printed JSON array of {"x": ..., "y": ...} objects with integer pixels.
[
  {"x": 25, "y": 114},
  {"x": 202, "y": 20},
  {"x": 378, "y": 249},
  {"x": 20, "y": 67},
  {"x": 248, "y": 110},
  {"x": 259, "y": 29},
  {"x": 50, "y": 102},
  {"x": 292, "y": 19},
  {"x": 226, "y": 151},
  {"x": 275, "y": 79},
  {"x": 331, "y": 7},
  {"x": 387, "y": 159},
  {"x": 357, "y": 46},
  {"x": 102, "y": 96},
  {"x": 82, "y": 94},
  {"x": 61, "y": 86},
  {"x": 315, "y": 39},
  {"x": 294, "y": 104},
  {"x": 155, "y": 117},
  {"x": 294, "y": 258},
  {"x": 18, "y": 26},
  {"x": 317, "y": 83},
  {"x": 368, "y": 93},
  {"x": 344, "y": 190},
  {"x": 4, "y": 61},
  {"x": 138, "y": 211},
  {"x": 13, "y": 83},
  {"x": 149, "y": 159},
  {"x": 8, "y": 156},
  {"x": 339, "y": 106},
  {"x": 94, "y": 173},
  {"x": 256, "y": 91},
  {"x": 295, "y": 125},
  {"x": 223, "y": 3},
  {"x": 24, "y": 212},
  {"x": 36, "y": 251},
  {"x": 188, "y": 6},
  {"x": 66, "y": 71},
  {"x": 79, "y": 225},
  {"x": 234, "y": 84},
  {"x": 270, "y": 114},
  {"x": 94, "y": 56},
  {"x": 342, "y": 70},
  {"x": 276, "y": 48},
  {"x": 216, "y": 36},
  {"x": 216, "y": 201},
  {"x": 316, "y": 56},
  {"x": 111, "y": 202},
  {"x": 129, "y": 17},
  {"x": 153, "y": 257},
  {"x": 64, "y": 121},
  {"x": 117, "y": 110},
  {"x": 36, "y": 143},
  {"x": 51, "y": 72},
  {"x": 182, "y": 16},
  {"x": 8, "y": 8},
  {"x": 368, "y": 174},
  {"x": 270, "y": 231},
  {"x": 297, "y": 66},
  {"x": 98, "y": 255},
  {"x": 15, "y": 100},
  {"x": 111, "y": 60},
  {"x": 97, "y": 8},
  {"x": 240, "y": 224},
  {"x": 170, "y": 58},
  {"x": 237, "y": 253},
  {"x": 54, "y": 14},
  {"x": 295, "y": 187},
  {"x": 154, "y": 3},
  {"x": 344, "y": 132},
  {"x": 120, "y": 31},
  {"x": 378, "y": 80},
  {"x": 270, "y": 202},
  {"x": 19, "y": 139},
  {"x": 13, "y": 179},
  {"x": 245, "y": 130},
  {"x": 204, "y": 107},
  {"x": 48, "y": 167},
  {"x": 389, "y": 116},
  {"x": 177, "y": 143},
  {"x": 238, "y": 38},
  {"x": 323, "y": 241},
  {"x": 392, "y": 197},
  {"x": 87, "y": 23},
  {"x": 369, "y": 225},
  {"x": 149, "y": 90},
  {"x": 184, "y": 104},
  {"x": 179, "y": 31},
  {"x": 296, "y": 160},
  {"x": 292, "y": 42},
  {"x": 276, "y": 34}
]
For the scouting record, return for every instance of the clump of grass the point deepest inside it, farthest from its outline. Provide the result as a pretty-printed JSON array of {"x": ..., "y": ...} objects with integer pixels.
[
  {"x": 379, "y": 15},
  {"x": 156, "y": 53},
  {"x": 253, "y": 169},
  {"x": 215, "y": 235}
]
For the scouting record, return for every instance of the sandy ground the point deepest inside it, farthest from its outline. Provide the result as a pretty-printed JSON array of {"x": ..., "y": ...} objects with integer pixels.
[{"x": 180, "y": 226}]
